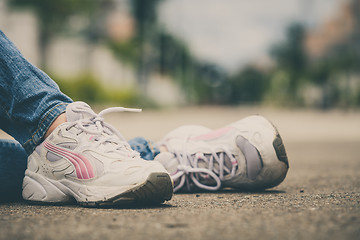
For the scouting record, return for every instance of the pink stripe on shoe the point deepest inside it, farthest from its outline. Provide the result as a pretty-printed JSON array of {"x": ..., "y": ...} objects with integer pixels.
[
  {"x": 83, "y": 167},
  {"x": 213, "y": 134}
]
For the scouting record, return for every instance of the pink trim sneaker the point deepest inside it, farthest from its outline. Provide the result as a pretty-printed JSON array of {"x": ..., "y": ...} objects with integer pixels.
[
  {"x": 248, "y": 154},
  {"x": 88, "y": 160}
]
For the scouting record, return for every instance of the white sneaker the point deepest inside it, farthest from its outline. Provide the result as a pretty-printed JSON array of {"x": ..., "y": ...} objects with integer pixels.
[
  {"x": 88, "y": 160},
  {"x": 248, "y": 154}
]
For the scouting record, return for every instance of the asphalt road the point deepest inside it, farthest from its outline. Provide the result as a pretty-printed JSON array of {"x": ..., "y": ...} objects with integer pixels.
[{"x": 319, "y": 199}]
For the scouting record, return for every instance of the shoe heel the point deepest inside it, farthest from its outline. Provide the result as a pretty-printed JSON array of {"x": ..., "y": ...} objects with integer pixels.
[
  {"x": 278, "y": 145},
  {"x": 38, "y": 189},
  {"x": 280, "y": 150}
]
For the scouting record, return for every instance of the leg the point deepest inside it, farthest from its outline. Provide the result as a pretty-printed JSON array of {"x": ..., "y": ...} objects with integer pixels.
[
  {"x": 29, "y": 100},
  {"x": 12, "y": 167}
]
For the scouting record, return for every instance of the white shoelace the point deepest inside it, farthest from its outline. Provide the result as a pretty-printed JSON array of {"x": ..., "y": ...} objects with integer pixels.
[
  {"x": 103, "y": 132},
  {"x": 188, "y": 170}
]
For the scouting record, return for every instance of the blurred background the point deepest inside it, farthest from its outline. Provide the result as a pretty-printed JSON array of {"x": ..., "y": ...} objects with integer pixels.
[
  {"x": 208, "y": 62},
  {"x": 156, "y": 53}
]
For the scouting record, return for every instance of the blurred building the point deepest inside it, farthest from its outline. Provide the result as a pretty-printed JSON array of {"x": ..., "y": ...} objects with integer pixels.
[
  {"x": 340, "y": 35},
  {"x": 21, "y": 28},
  {"x": 120, "y": 25},
  {"x": 334, "y": 31}
]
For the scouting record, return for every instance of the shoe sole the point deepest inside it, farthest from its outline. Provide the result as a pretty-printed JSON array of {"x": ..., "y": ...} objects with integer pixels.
[{"x": 156, "y": 189}]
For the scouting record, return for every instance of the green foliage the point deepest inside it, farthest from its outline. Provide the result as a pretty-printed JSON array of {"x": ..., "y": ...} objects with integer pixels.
[
  {"x": 145, "y": 13},
  {"x": 290, "y": 55},
  {"x": 278, "y": 91},
  {"x": 88, "y": 89},
  {"x": 56, "y": 11},
  {"x": 173, "y": 54},
  {"x": 126, "y": 51},
  {"x": 248, "y": 86},
  {"x": 85, "y": 88}
]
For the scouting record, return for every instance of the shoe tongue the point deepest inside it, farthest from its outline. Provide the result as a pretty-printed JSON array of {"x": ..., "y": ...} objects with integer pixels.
[
  {"x": 168, "y": 160},
  {"x": 78, "y": 110}
]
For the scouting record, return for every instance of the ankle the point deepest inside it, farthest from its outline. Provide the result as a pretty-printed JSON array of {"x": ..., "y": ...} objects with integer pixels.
[{"x": 59, "y": 120}]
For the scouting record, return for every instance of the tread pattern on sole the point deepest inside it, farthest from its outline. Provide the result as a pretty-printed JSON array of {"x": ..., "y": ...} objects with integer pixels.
[
  {"x": 156, "y": 189},
  {"x": 279, "y": 147}
]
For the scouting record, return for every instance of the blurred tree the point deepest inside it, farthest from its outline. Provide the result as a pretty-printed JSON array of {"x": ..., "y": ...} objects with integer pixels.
[
  {"x": 248, "y": 86},
  {"x": 210, "y": 83},
  {"x": 172, "y": 53},
  {"x": 291, "y": 56},
  {"x": 53, "y": 17},
  {"x": 153, "y": 49},
  {"x": 145, "y": 14}
]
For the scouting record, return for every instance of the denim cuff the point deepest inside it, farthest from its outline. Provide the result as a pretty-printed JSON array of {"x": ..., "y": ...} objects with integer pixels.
[
  {"x": 43, "y": 126},
  {"x": 147, "y": 149}
]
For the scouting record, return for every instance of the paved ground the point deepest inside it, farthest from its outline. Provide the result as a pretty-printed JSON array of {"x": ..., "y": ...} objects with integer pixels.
[{"x": 319, "y": 199}]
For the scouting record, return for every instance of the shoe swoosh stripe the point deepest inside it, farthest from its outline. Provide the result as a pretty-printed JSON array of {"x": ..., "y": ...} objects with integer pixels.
[
  {"x": 83, "y": 167},
  {"x": 76, "y": 164},
  {"x": 213, "y": 134}
]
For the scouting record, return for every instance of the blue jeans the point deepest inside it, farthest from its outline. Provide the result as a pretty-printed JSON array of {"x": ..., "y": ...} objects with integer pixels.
[
  {"x": 13, "y": 160},
  {"x": 147, "y": 149},
  {"x": 29, "y": 102}
]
